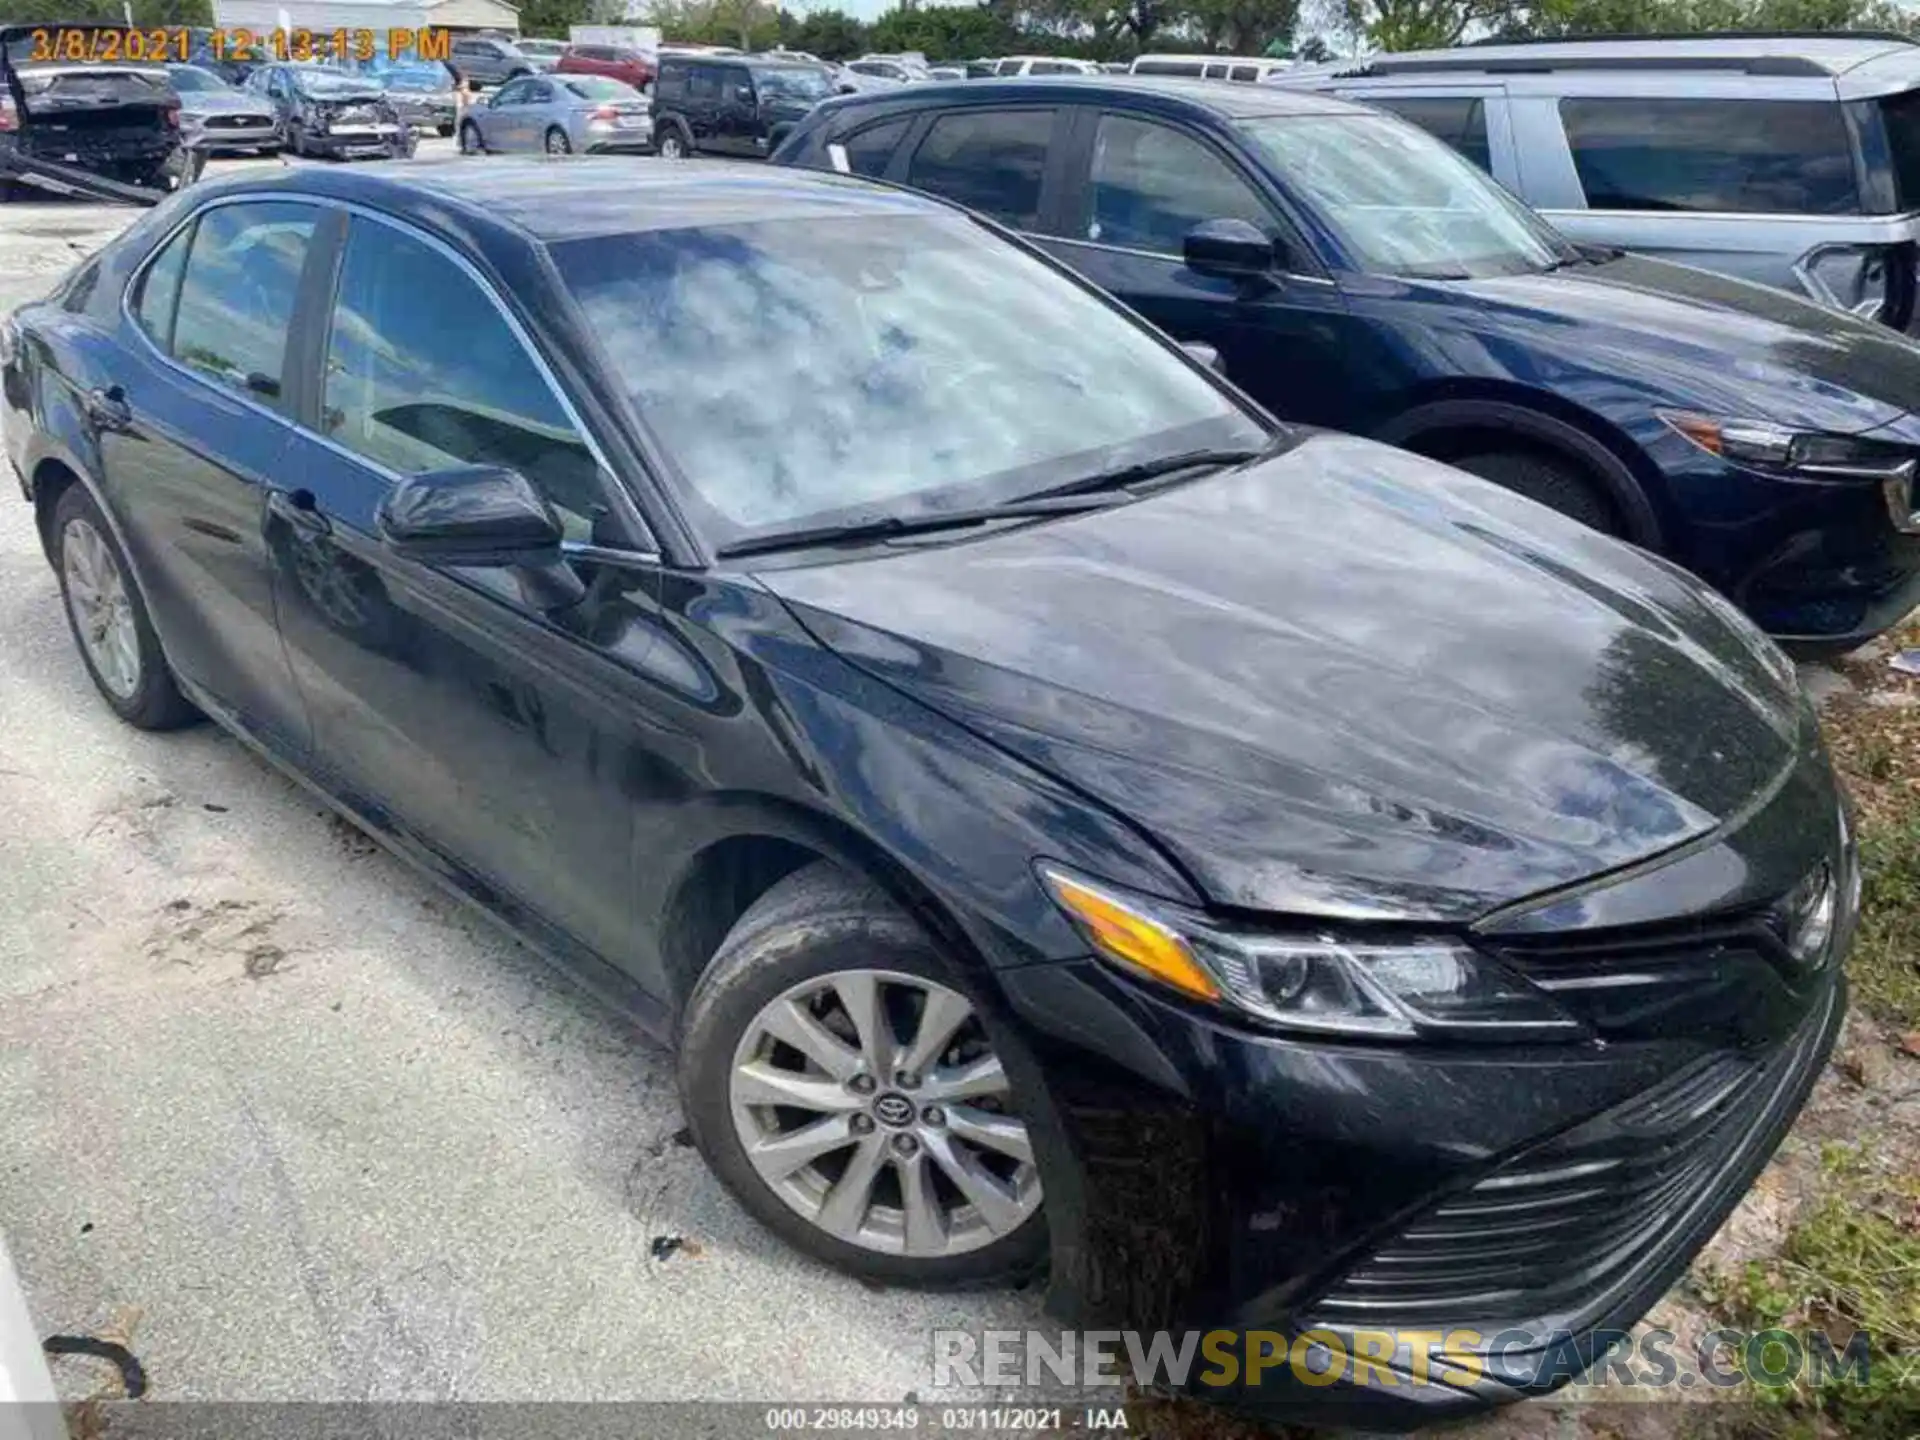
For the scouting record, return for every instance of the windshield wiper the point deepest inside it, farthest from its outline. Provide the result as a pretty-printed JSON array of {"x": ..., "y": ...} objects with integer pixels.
[
  {"x": 883, "y": 527},
  {"x": 1162, "y": 467}
]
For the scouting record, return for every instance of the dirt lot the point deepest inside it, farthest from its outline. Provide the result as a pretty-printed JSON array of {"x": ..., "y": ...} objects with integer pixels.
[{"x": 296, "y": 1128}]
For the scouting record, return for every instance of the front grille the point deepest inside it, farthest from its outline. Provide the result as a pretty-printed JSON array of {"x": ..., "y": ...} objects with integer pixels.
[
  {"x": 1568, "y": 1224},
  {"x": 237, "y": 122}
]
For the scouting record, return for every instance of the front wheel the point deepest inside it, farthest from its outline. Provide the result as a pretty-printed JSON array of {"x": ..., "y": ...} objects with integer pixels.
[
  {"x": 838, "y": 1074},
  {"x": 109, "y": 619},
  {"x": 1547, "y": 479}
]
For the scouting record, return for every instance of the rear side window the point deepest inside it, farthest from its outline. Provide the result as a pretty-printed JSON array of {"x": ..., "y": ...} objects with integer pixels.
[
  {"x": 1753, "y": 156},
  {"x": 988, "y": 160},
  {"x": 160, "y": 290},
  {"x": 671, "y": 80},
  {"x": 1901, "y": 114},
  {"x": 703, "y": 83},
  {"x": 1166, "y": 67},
  {"x": 236, "y": 297},
  {"x": 1245, "y": 73},
  {"x": 869, "y": 150},
  {"x": 1460, "y": 120},
  {"x": 1049, "y": 67}
]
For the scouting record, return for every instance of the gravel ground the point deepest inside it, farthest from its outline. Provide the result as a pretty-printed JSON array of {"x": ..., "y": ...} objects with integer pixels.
[{"x": 302, "y": 1128}]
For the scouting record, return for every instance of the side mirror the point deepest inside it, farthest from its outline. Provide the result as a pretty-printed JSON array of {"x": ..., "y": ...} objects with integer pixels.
[
  {"x": 1230, "y": 249},
  {"x": 482, "y": 515},
  {"x": 743, "y": 95},
  {"x": 1205, "y": 354}
]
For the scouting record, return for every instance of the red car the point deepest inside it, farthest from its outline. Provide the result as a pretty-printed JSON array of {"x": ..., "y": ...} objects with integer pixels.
[{"x": 617, "y": 62}]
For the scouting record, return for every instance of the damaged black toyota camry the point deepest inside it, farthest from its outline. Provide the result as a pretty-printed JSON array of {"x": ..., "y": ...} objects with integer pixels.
[{"x": 1062, "y": 816}]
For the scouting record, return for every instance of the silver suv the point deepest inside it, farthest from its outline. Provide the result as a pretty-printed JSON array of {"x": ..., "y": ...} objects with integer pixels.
[{"x": 1793, "y": 160}]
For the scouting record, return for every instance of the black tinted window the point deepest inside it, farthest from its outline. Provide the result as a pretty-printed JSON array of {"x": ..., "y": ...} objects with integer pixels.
[
  {"x": 1784, "y": 156},
  {"x": 1151, "y": 184},
  {"x": 987, "y": 160},
  {"x": 236, "y": 297},
  {"x": 160, "y": 290},
  {"x": 869, "y": 150},
  {"x": 424, "y": 373},
  {"x": 1901, "y": 114},
  {"x": 1245, "y": 72},
  {"x": 1460, "y": 120},
  {"x": 671, "y": 80},
  {"x": 703, "y": 82}
]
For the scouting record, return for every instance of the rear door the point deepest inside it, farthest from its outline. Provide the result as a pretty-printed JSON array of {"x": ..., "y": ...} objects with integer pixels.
[
  {"x": 702, "y": 106},
  {"x": 194, "y": 442}
]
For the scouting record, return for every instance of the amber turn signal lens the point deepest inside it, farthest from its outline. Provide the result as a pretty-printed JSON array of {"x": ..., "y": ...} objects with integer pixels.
[{"x": 1132, "y": 939}]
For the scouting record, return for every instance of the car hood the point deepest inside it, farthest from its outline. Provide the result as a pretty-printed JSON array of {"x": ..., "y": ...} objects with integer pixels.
[
  {"x": 1717, "y": 344},
  {"x": 1346, "y": 681}
]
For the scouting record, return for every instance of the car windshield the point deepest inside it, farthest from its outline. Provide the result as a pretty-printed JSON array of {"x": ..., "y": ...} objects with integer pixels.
[
  {"x": 798, "y": 83},
  {"x": 1403, "y": 202},
  {"x": 329, "y": 82},
  {"x": 189, "y": 78},
  {"x": 409, "y": 75},
  {"x": 802, "y": 374},
  {"x": 599, "y": 87}
]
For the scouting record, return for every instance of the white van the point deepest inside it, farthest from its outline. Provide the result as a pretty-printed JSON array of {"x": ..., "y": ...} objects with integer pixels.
[{"x": 1248, "y": 68}]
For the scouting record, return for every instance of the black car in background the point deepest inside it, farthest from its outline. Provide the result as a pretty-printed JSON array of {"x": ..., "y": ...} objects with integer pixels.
[
  {"x": 1354, "y": 271},
  {"x": 1057, "y": 811},
  {"x": 117, "y": 121},
  {"x": 731, "y": 105}
]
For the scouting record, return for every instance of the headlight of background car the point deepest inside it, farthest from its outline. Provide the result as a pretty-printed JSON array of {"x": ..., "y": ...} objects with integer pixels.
[
  {"x": 1762, "y": 445},
  {"x": 1321, "y": 983}
]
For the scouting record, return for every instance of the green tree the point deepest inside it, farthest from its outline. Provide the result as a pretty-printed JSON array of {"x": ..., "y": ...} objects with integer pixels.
[
  {"x": 1242, "y": 27},
  {"x": 830, "y": 34},
  {"x": 1425, "y": 24}
]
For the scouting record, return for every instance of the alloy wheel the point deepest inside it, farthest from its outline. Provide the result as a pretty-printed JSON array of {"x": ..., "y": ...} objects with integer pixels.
[
  {"x": 872, "y": 1103},
  {"x": 101, "y": 607},
  {"x": 557, "y": 143}
]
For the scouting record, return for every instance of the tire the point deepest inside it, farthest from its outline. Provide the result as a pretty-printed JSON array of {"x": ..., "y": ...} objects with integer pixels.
[
  {"x": 674, "y": 142},
  {"x": 443, "y": 131},
  {"x": 297, "y": 139},
  {"x": 87, "y": 558},
  {"x": 819, "y": 923},
  {"x": 1557, "y": 484},
  {"x": 470, "y": 141},
  {"x": 556, "y": 141}
]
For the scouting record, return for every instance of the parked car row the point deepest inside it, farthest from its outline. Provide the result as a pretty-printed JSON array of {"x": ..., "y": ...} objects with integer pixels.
[
  {"x": 1353, "y": 271},
  {"x": 1062, "y": 813}
]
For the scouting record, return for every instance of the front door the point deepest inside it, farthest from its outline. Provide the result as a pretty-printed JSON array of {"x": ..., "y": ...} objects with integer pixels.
[
  {"x": 449, "y": 707},
  {"x": 1135, "y": 189},
  {"x": 702, "y": 106},
  {"x": 193, "y": 440}
]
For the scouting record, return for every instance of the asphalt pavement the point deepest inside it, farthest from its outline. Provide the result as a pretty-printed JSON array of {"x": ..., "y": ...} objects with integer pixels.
[{"x": 297, "y": 1127}]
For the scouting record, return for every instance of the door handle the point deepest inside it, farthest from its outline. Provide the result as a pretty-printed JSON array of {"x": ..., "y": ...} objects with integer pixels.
[
  {"x": 299, "y": 510},
  {"x": 108, "y": 409}
]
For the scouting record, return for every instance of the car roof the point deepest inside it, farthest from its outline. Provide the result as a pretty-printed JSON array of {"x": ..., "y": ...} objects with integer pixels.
[
  {"x": 1780, "y": 54},
  {"x": 554, "y": 200},
  {"x": 1218, "y": 98}
]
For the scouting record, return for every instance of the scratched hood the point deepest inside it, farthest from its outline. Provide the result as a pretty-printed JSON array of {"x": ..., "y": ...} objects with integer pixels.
[{"x": 1345, "y": 681}]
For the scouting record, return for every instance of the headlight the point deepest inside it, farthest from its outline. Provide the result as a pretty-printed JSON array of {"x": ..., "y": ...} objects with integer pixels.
[
  {"x": 1762, "y": 445},
  {"x": 1321, "y": 983},
  {"x": 1810, "y": 910}
]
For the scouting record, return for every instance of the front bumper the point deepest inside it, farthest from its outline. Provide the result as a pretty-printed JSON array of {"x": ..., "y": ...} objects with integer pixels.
[
  {"x": 375, "y": 140},
  {"x": 221, "y": 139},
  {"x": 1814, "y": 564}
]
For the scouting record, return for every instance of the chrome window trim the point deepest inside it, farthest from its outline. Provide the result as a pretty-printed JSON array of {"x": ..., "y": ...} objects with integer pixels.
[
  {"x": 1290, "y": 276},
  {"x": 433, "y": 242}
]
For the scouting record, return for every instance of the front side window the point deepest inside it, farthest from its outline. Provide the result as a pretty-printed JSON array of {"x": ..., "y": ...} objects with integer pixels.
[
  {"x": 424, "y": 373},
  {"x": 1458, "y": 120},
  {"x": 800, "y": 374},
  {"x": 988, "y": 160},
  {"x": 1151, "y": 184},
  {"x": 1790, "y": 157},
  {"x": 237, "y": 293},
  {"x": 795, "y": 84},
  {"x": 1401, "y": 202},
  {"x": 514, "y": 92}
]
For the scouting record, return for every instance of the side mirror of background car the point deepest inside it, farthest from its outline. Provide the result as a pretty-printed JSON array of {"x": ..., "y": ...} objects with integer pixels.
[
  {"x": 1232, "y": 249},
  {"x": 482, "y": 515},
  {"x": 1205, "y": 354}
]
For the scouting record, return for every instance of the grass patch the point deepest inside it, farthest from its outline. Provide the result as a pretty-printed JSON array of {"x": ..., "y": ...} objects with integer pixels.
[
  {"x": 1885, "y": 964},
  {"x": 1851, "y": 1263}
]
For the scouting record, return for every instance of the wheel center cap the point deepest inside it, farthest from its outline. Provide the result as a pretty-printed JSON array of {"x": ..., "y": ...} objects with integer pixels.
[{"x": 893, "y": 1109}]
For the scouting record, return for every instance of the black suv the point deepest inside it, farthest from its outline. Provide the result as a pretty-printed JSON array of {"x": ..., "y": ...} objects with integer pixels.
[{"x": 727, "y": 105}]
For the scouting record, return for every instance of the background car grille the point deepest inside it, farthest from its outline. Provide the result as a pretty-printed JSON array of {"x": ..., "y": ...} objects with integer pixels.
[
  {"x": 237, "y": 122},
  {"x": 1568, "y": 1221}
]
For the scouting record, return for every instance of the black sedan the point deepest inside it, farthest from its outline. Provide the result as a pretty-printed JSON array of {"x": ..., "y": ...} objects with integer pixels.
[{"x": 1056, "y": 810}]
